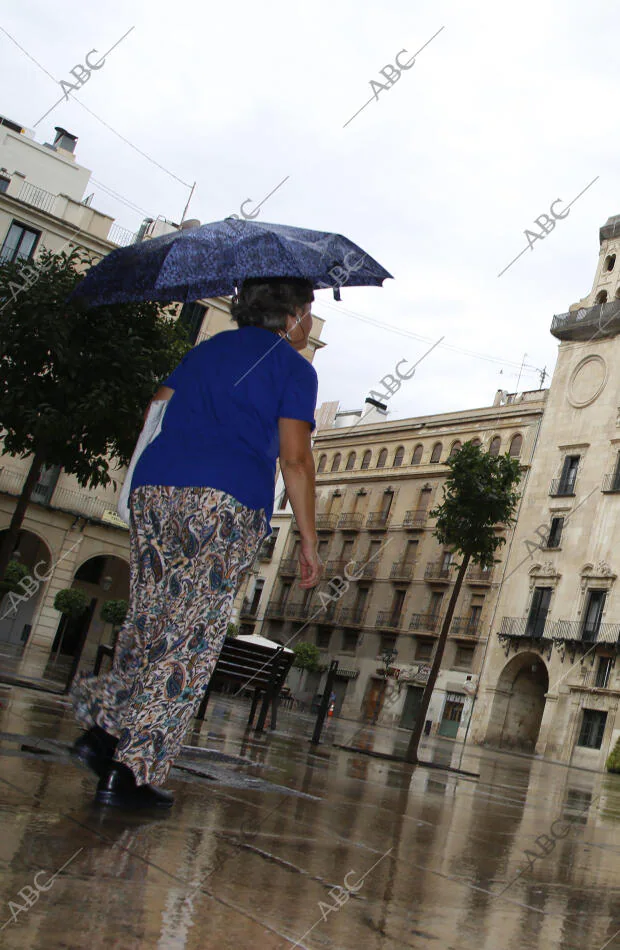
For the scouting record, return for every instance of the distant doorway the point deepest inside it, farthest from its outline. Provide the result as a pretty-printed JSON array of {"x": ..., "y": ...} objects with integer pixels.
[
  {"x": 411, "y": 708},
  {"x": 519, "y": 703}
]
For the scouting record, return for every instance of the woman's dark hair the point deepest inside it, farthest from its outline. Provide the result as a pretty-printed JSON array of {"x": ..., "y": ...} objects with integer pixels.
[{"x": 267, "y": 301}]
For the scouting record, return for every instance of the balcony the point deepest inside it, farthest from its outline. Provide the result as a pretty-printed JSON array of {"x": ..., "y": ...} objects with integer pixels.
[
  {"x": 438, "y": 571},
  {"x": 562, "y": 488},
  {"x": 415, "y": 519},
  {"x": 388, "y": 620},
  {"x": 611, "y": 483},
  {"x": 335, "y": 567},
  {"x": 326, "y": 522},
  {"x": 583, "y": 631},
  {"x": 465, "y": 626},
  {"x": 364, "y": 569},
  {"x": 350, "y": 522},
  {"x": 37, "y": 197},
  {"x": 522, "y": 627},
  {"x": 275, "y": 610},
  {"x": 377, "y": 520},
  {"x": 121, "y": 236},
  {"x": 248, "y": 610},
  {"x": 288, "y": 566},
  {"x": 429, "y": 623},
  {"x": 352, "y": 616},
  {"x": 597, "y": 679},
  {"x": 299, "y": 610},
  {"x": 588, "y": 322},
  {"x": 266, "y": 551},
  {"x": 401, "y": 571},
  {"x": 477, "y": 575}
]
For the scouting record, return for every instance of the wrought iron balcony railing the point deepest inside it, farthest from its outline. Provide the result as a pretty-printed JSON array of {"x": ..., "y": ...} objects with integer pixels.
[
  {"x": 389, "y": 620},
  {"x": 583, "y": 324},
  {"x": 288, "y": 565},
  {"x": 562, "y": 488},
  {"x": 538, "y": 629},
  {"x": 401, "y": 571},
  {"x": 465, "y": 626},
  {"x": 611, "y": 482},
  {"x": 415, "y": 518},
  {"x": 248, "y": 609},
  {"x": 477, "y": 575},
  {"x": 352, "y": 616},
  {"x": 326, "y": 522},
  {"x": 438, "y": 571},
  {"x": 275, "y": 610},
  {"x": 427, "y": 622},
  {"x": 366, "y": 569},
  {"x": 584, "y": 631},
  {"x": 300, "y": 610},
  {"x": 378, "y": 519},
  {"x": 335, "y": 567},
  {"x": 350, "y": 522}
]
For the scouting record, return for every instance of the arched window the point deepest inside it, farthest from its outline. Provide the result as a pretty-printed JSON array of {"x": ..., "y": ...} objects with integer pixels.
[
  {"x": 350, "y": 461},
  {"x": 436, "y": 453},
  {"x": 382, "y": 458},
  {"x": 495, "y": 446},
  {"x": 515, "y": 446},
  {"x": 601, "y": 297},
  {"x": 399, "y": 456},
  {"x": 336, "y": 462},
  {"x": 476, "y": 442},
  {"x": 366, "y": 458},
  {"x": 610, "y": 261},
  {"x": 456, "y": 446},
  {"x": 416, "y": 458},
  {"x": 322, "y": 463}
]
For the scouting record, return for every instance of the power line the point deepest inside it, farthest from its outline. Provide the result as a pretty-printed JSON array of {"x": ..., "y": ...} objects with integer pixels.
[{"x": 118, "y": 197}]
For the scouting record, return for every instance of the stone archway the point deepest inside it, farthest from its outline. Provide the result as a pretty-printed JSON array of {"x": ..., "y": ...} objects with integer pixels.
[
  {"x": 101, "y": 577},
  {"x": 519, "y": 703},
  {"x": 18, "y": 612}
]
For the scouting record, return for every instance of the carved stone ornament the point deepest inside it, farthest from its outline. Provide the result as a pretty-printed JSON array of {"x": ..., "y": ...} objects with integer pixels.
[
  {"x": 546, "y": 570},
  {"x": 601, "y": 571}
]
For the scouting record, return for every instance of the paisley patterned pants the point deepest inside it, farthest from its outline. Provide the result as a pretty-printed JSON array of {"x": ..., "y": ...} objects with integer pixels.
[{"x": 188, "y": 550}]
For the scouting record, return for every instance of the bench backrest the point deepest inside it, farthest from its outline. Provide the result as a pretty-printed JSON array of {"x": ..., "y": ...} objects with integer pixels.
[{"x": 254, "y": 664}]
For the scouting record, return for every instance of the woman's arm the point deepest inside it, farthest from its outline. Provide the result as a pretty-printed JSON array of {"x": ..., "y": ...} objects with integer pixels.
[
  {"x": 297, "y": 467},
  {"x": 164, "y": 393}
]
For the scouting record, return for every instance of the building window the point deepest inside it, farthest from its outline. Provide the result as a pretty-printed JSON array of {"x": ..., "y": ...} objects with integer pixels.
[
  {"x": 424, "y": 649},
  {"x": 366, "y": 459},
  {"x": 463, "y": 658},
  {"x": 566, "y": 482},
  {"x": 336, "y": 462},
  {"x": 350, "y": 461},
  {"x": 539, "y": 608},
  {"x": 349, "y": 641},
  {"x": 495, "y": 446},
  {"x": 416, "y": 458},
  {"x": 436, "y": 453},
  {"x": 322, "y": 463},
  {"x": 515, "y": 446},
  {"x": 601, "y": 297},
  {"x": 283, "y": 500},
  {"x": 4, "y": 184},
  {"x": 323, "y": 637},
  {"x": 593, "y": 614},
  {"x": 610, "y": 261},
  {"x": 455, "y": 448},
  {"x": 387, "y": 643},
  {"x": 399, "y": 456},
  {"x": 435, "y": 604},
  {"x": 555, "y": 532},
  {"x": 19, "y": 244},
  {"x": 382, "y": 458},
  {"x": 191, "y": 317},
  {"x": 603, "y": 672},
  {"x": 592, "y": 728},
  {"x": 476, "y": 442}
]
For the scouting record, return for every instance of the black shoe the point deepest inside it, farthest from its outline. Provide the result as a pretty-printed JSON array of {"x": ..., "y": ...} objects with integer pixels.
[
  {"x": 95, "y": 749},
  {"x": 117, "y": 787}
]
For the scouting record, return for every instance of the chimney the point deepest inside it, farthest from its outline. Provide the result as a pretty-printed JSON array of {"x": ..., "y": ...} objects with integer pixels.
[{"x": 64, "y": 140}]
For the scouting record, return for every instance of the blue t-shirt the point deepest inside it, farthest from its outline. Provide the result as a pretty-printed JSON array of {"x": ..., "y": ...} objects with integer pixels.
[{"x": 220, "y": 429}]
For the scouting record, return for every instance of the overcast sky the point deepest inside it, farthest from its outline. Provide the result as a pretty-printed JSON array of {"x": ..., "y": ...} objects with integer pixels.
[{"x": 507, "y": 109}]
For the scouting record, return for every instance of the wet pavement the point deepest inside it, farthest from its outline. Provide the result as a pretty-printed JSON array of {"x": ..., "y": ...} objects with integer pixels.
[{"x": 273, "y": 843}]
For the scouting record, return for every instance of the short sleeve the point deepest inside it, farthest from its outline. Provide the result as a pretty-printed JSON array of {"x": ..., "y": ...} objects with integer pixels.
[
  {"x": 173, "y": 380},
  {"x": 298, "y": 400}
]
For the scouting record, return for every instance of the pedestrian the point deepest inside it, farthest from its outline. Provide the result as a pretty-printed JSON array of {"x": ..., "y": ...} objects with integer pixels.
[{"x": 201, "y": 500}]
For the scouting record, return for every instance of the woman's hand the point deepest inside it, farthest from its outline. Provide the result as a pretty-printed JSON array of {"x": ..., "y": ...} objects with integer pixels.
[{"x": 310, "y": 563}]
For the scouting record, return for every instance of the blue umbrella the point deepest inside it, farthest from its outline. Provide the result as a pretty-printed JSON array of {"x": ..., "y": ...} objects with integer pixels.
[{"x": 213, "y": 260}]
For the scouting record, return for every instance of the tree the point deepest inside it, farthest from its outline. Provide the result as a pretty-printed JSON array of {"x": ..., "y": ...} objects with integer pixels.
[
  {"x": 72, "y": 602},
  {"x": 15, "y": 572},
  {"x": 232, "y": 630},
  {"x": 613, "y": 761},
  {"x": 307, "y": 657},
  {"x": 114, "y": 612},
  {"x": 479, "y": 493},
  {"x": 74, "y": 383}
]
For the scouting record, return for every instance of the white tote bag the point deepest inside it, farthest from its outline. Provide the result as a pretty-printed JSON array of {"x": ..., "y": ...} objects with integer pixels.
[{"x": 150, "y": 431}]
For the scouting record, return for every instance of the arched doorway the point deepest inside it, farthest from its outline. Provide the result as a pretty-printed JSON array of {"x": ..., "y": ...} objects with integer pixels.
[
  {"x": 102, "y": 578},
  {"x": 17, "y": 612},
  {"x": 519, "y": 703}
]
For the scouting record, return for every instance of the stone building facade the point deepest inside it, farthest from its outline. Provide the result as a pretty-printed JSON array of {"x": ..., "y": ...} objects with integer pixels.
[
  {"x": 377, "y": 481},
  {"x": 551, "y": 682}
]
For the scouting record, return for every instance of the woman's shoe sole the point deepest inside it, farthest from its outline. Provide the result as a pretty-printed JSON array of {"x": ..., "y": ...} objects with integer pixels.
[{"x": 132, "y": 802}]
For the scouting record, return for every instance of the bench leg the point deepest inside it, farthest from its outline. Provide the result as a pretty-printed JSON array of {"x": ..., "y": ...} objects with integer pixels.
[
  {"x": 274, "y": 710},
  {"x": 255, "y": 697},
  {"x": 260, "y": 725},
  {"x": 203, "y": 705}
]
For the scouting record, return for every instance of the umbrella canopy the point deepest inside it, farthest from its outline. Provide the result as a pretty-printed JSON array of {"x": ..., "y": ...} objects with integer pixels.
[{"x": 214, "y": 259}]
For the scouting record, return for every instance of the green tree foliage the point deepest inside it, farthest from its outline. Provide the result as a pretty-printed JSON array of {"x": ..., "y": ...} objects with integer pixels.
[
  {"x": 71, "y": 601},
  {"x": 232, "y": 630},
  {"x": 613, "y": 762},
  {"x": 74, "y": 383},
  {"x": 15, "y": 572},
  {"x": 479, "y": 493},
  {"x": 114, "y": 611},
  {"x": 307, "y": 656}
]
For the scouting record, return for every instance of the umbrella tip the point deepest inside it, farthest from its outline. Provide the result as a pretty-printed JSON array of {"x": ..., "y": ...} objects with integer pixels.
[{"x": 337, "y": 294}]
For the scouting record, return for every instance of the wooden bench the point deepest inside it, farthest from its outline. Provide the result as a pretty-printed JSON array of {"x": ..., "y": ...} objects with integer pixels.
[{"x": 251, "y": 663}]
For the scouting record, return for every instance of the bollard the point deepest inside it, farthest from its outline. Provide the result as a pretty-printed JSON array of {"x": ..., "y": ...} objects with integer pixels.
[{"x": 320, "y": 719}]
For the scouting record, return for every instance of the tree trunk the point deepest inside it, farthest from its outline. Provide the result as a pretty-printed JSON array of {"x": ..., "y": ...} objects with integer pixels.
[
  {"x": 8, "y": 545},
  {"x": 412, "y": 750}
]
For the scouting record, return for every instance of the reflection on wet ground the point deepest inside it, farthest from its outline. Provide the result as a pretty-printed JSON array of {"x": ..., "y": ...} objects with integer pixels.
[{"x": 275, "y": 843}]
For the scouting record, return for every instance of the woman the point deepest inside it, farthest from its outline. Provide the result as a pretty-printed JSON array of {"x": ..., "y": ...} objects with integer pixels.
[{"x": 202, "y": 496}]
